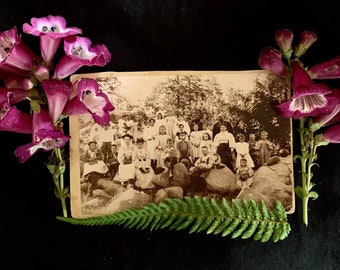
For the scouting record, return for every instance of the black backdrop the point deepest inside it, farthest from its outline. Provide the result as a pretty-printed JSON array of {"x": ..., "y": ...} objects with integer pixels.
[{"x": 168, "y": 35}]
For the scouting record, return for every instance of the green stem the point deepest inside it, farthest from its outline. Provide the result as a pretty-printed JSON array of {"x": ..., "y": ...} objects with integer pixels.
[
  {"x": 305, "y": 172},
  {"x": 308, "y": 156},
  {"x": 58, "y": 177}
]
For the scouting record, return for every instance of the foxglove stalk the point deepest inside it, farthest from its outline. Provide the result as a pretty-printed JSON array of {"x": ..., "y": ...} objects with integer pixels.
[
  {"x": 78, "y": 53},
  {"x": 271, "y": 59},
  {"x": 51, "y": 30},
  {"x": 90, "y": 100}
]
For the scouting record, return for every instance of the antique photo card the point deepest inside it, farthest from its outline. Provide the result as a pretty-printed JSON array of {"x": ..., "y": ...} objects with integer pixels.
[{"x": 182, "y": 133}]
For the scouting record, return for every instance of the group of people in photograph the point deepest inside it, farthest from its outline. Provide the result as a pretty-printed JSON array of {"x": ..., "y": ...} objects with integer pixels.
[{"x": 139, "y": 157}]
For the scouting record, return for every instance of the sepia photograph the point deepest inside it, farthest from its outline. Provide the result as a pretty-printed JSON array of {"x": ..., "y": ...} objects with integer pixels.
[{"x": 212, "y": 134}]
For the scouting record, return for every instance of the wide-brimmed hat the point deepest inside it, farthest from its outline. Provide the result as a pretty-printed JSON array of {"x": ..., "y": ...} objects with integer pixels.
[
  {"x": 91, "y": 142},
  {"x": 140, "y": 140},
  {"x": 127, "y": 135}
]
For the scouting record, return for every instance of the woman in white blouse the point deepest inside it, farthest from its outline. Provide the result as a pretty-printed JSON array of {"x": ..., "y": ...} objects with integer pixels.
[{"x": 225, "y": 144}]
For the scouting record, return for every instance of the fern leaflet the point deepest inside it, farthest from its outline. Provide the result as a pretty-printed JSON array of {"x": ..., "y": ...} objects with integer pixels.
[{"x": 196, "y": 214}]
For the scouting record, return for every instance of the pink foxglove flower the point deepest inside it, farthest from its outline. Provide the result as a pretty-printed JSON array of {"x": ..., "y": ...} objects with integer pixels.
[
  {"x": 12, "y": 96},
  {"x": 15, "y": 57},
  {"x": 284, "y": 39},
  {"x": 308, "y": 99},
  {"x": 17, "y": 82},
  {"x": 271, "y": 59},
  {"x": 326, "y": 70},
  {"x": 332, "y": 134},
  {"x": 12, "y": 119},
  {"x": 90, "y": 100},
  {"x": 51, "y": 30},
  {"x": 57, "y": 93},
  {"x": 79, "y": 53},
  {"x": 307, "y": 39},
  {"x": 45, "y": 137}
]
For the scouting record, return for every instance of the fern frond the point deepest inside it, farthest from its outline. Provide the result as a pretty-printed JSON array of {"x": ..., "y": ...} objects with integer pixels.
[{"x": 196, "y": 214}]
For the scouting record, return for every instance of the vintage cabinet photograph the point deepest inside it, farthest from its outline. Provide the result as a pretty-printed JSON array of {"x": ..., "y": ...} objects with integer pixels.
[{"x": 184, "y": 133}]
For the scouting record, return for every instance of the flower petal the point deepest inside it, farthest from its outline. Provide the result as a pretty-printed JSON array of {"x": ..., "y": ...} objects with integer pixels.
[
  {"x": 284, "y": 39},
  {"x": 271, "y": 59},
  {"x": 332, "y": 134},
  {"x": 57, "y": 93},
  {"x": 51, "y": 30},
  {"x": 95, "y": 102},
  {"x": 326, "y": 70},
  {"x": 14, "y": 120},
  {"x": 16, "y": 57},
  {"x": 308, "y": 99},
  {"x": 79, "y": 53},
  {"x": 52, "y": 139},
  {"x": 307, "y": 38}
]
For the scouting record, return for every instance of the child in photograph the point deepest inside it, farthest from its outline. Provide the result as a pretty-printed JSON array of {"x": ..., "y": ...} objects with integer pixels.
[
  {"x": 207, "y": 142},
  {"x": 242, "y": 151},
  {"x": 205, "y": 129},
  {"x": 185, "y": 125},
  {"x": 265, "y": 148},
  {"x": 244, "y": 174},
  {"x": 170, "y": 150},
  {"x": 195, "y": 140},
  {"x": 180, "y": 130},
  {"x": 253, "y": 149},
  {"x": 160, "y": 145},
  {"x": 184, "y": 146}
]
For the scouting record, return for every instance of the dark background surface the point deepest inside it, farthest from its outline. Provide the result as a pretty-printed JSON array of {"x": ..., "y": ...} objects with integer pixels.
[{"x": 168, "y": 35}]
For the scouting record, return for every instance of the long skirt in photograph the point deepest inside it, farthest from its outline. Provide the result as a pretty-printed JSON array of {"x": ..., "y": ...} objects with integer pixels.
[
  {"x": 144, "y": 178},
  {"x": 126, "y": 171},
  {"x": 99, "y": 167}
]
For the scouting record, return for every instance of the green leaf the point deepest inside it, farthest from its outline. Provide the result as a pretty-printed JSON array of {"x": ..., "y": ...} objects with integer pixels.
[
  {"x": 299, "y": 191},
  {"x": 313, "y": 195},
  {"x": 240, "y": 219}
]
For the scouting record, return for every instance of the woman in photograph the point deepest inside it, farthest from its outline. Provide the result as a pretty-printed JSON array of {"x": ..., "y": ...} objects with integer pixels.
[
  {"x": 225, "y": 144},
  {"x": 93, "y": 165},
  {"x": 126, "y": 159}
]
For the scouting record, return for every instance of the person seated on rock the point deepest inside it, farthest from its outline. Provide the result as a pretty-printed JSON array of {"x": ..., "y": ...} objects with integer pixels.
[
  {"x": 244, "y": 174},
  {"x": 94, "y": 166},
  {"x": 200, "y": 171},
  {"x": 203, "y": 164},
  {"x": 112, "y": 162},
  {"x": 144, "y": 171}
]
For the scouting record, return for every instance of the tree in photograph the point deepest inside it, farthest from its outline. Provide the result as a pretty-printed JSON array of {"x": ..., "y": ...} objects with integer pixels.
[{"x": 187, "y": 95}]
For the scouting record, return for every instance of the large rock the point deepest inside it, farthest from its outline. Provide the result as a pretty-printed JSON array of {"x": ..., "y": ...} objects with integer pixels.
[
  {"x": 272, "y": 182},
  {"x": 222, "y": 180},
  {"x": 126, "y": 200},
  {"x": 174, "y": 192}
]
